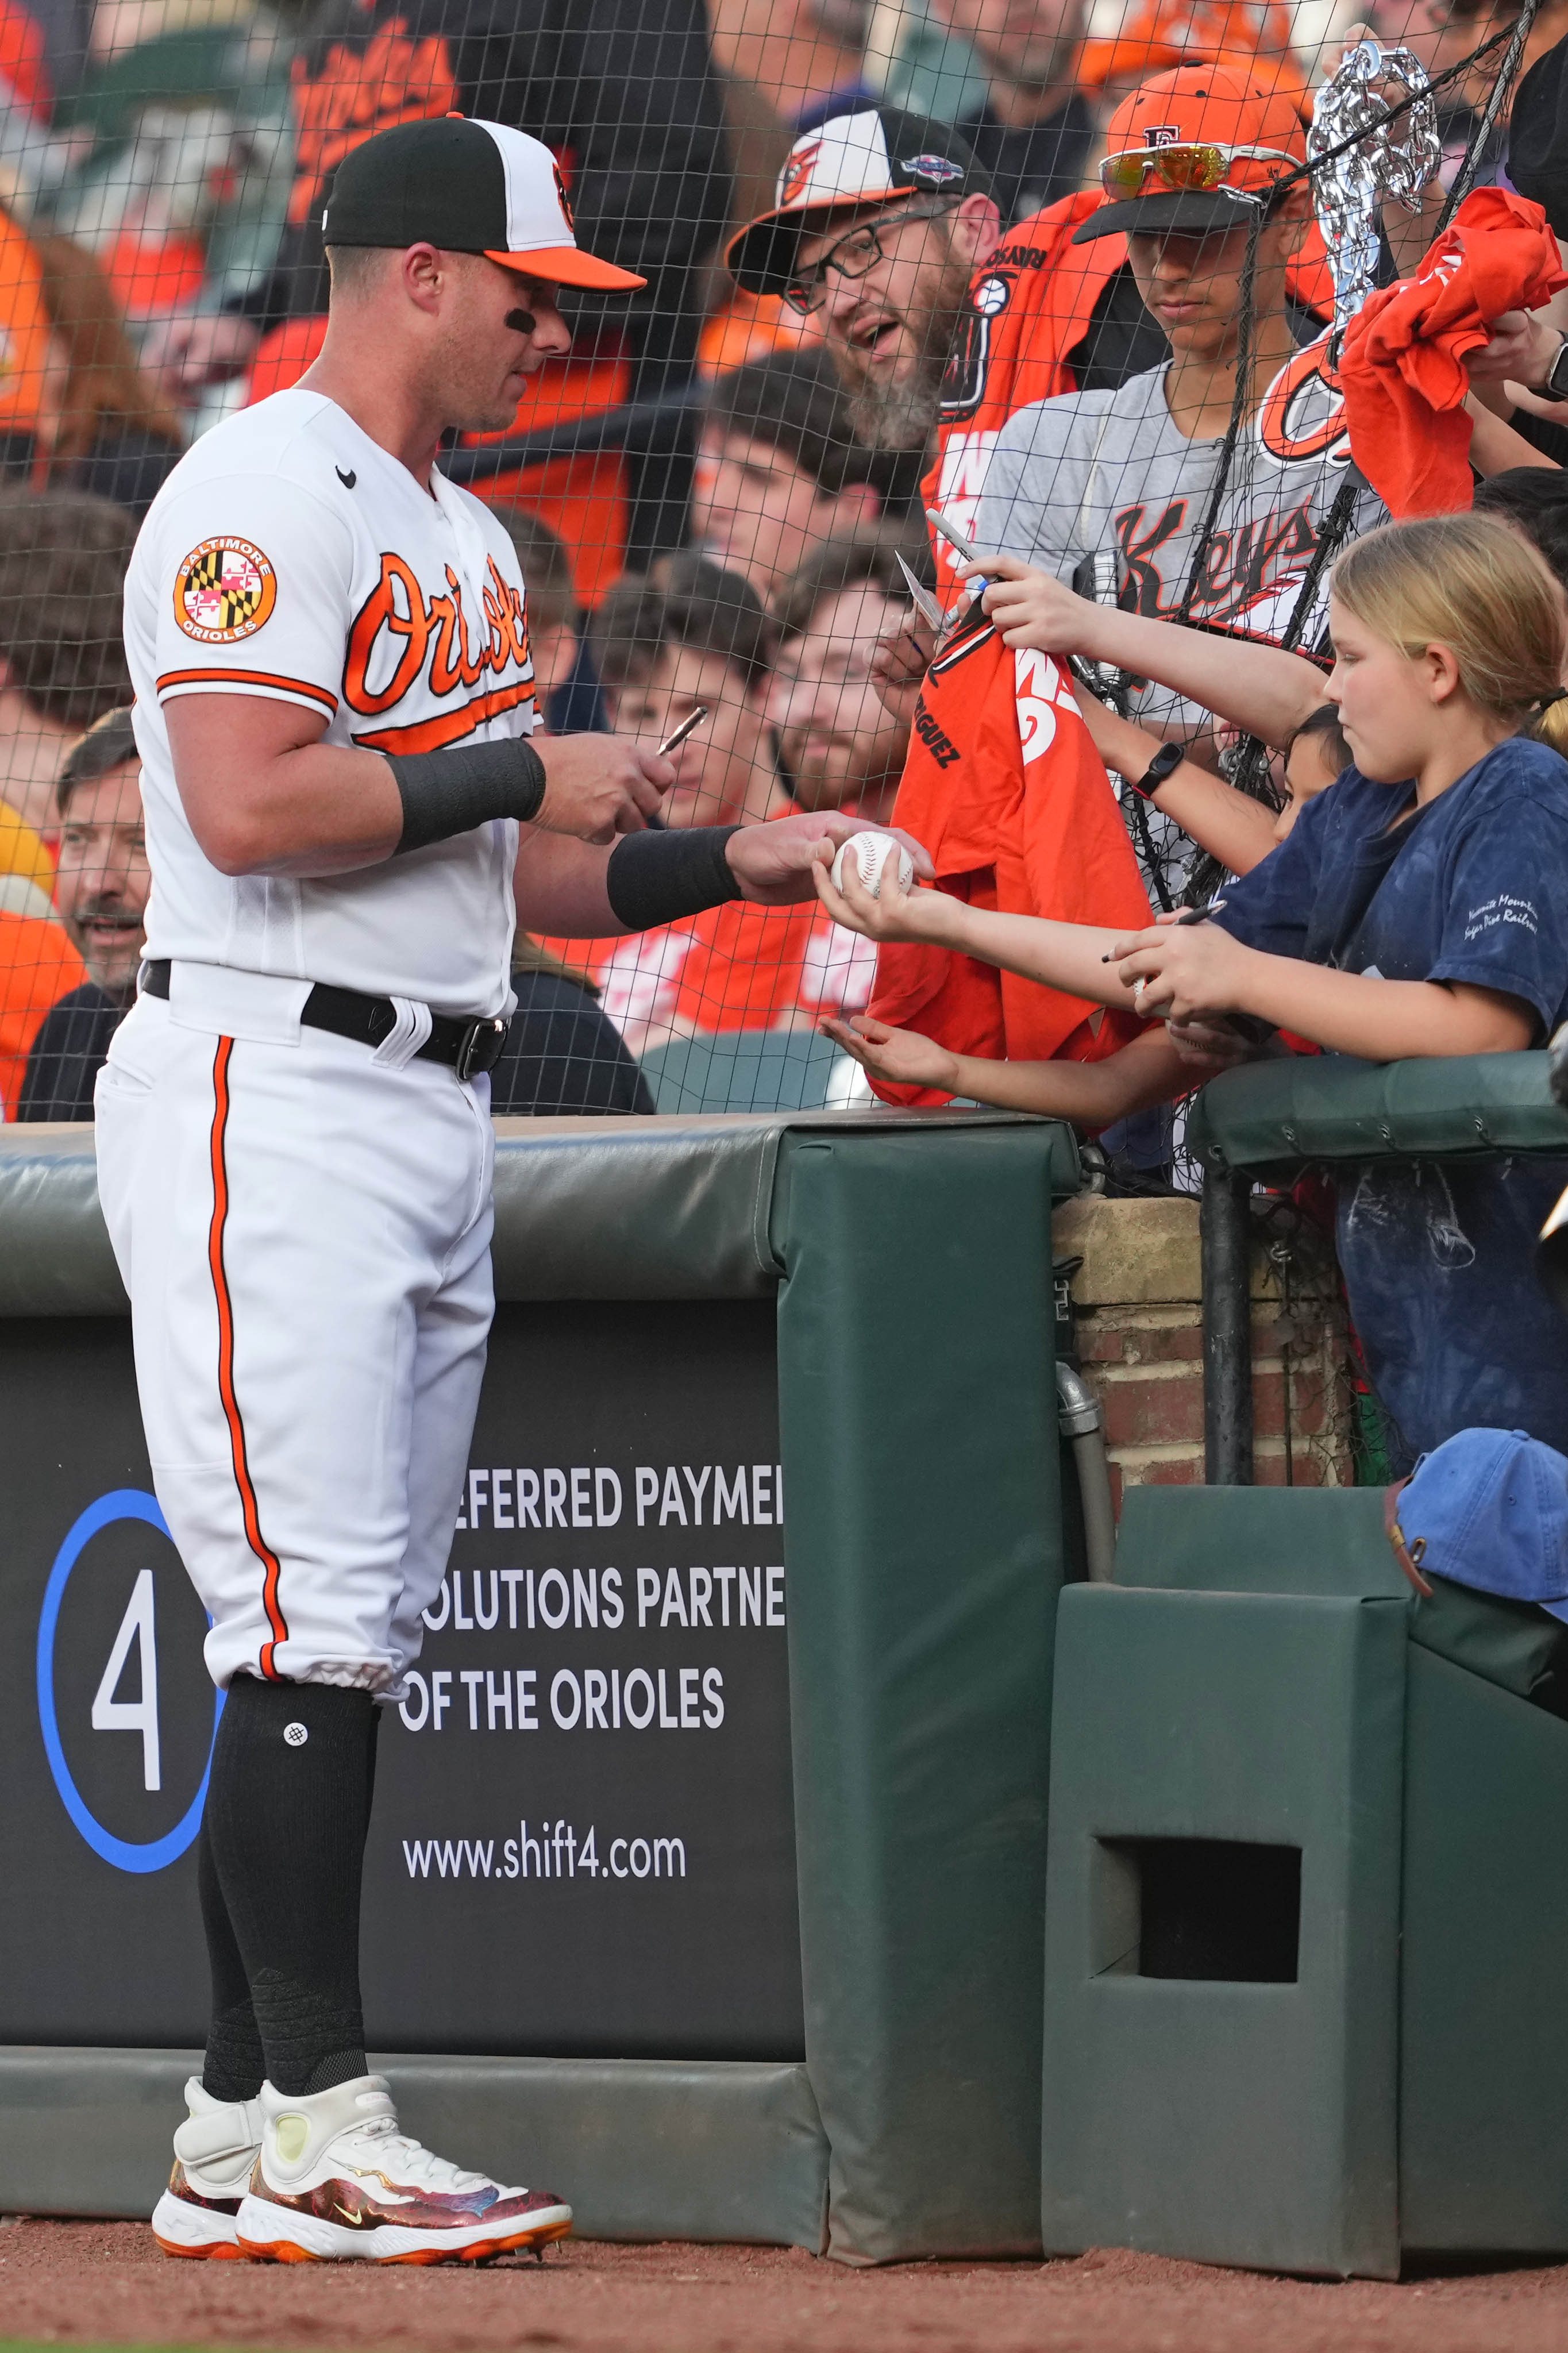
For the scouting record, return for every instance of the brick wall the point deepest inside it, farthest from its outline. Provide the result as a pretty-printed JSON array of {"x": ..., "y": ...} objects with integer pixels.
[{"x": 1140, "y": 1327}]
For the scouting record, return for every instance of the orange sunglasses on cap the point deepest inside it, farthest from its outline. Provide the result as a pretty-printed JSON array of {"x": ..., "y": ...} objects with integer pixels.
[{"x": 1185, "y": 164}]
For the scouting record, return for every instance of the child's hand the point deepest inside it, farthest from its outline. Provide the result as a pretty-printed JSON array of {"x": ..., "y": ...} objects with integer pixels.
[
  {"x": 893, "y": 914},
  {"x": 1180, "y": 972},
  {"x": 1209, "y": 1046},
  {"x": 902, "y": 1058},
  {"x": 1033, "y": 608}
]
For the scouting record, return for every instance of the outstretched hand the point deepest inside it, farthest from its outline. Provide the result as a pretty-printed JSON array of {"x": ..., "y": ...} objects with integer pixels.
[
  {"x": 900, "y": 1058},
  {"x": 778, "y": 862}
]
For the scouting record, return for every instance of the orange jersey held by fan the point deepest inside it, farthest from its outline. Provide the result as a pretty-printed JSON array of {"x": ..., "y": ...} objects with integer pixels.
[{"x": 1005, "y": 789}]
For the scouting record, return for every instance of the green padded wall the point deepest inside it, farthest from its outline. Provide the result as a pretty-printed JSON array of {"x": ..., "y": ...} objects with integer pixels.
[
  {"x": 1484, "y": 2029},
  {"x": 646, "y": 2148},
  {"x": 1225, "y": 2118},
  {"x": 917, "y": 1413},
  {"x": 1257, "y": 1540}
]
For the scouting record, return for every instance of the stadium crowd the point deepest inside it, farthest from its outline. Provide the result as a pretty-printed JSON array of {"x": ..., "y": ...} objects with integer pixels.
[{"x": 1053, "y": 270}]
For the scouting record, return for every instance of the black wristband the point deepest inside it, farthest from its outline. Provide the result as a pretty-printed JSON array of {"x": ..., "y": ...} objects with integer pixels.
[
  {"x": 1168, "y": 757},
  {"x": 449, "y": 792},
  {"x": 655, "y": 877}
]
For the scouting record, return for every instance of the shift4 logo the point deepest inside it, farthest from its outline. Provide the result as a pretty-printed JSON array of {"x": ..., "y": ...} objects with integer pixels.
[
  {"x": 118, "y": 1620},
  {"x": 139, "y": 1625}
]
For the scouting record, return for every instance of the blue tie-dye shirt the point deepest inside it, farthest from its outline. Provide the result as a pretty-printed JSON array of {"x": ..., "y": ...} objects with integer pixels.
[{"x": 1438, "y": 1255}]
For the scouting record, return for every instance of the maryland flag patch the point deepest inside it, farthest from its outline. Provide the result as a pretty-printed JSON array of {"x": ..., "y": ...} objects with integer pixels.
[{"x": 224, "y": 591}]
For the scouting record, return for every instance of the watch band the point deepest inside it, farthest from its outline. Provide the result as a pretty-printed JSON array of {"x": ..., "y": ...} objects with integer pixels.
[
  {"x": 1168, "y": 757},
  {"x": 1557, "y": 373}
]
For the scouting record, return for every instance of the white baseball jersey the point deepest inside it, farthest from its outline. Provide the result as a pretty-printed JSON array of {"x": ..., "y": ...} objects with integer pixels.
[{"x": 292, "y": 557}]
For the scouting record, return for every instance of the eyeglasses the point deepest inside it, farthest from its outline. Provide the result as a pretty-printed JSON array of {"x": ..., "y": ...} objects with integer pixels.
[
  {"x": 1192, "y": 163},
  {"x": 854, "y": 255}
]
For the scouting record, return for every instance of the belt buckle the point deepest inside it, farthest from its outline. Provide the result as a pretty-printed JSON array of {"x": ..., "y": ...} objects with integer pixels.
[{"x": 481, "y": 1048}]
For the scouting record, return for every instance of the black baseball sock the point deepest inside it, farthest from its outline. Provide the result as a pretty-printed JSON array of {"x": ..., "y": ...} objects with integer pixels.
[
  {"x": 288, "y": 1808},
  {"x": 233, "y": 2067}
]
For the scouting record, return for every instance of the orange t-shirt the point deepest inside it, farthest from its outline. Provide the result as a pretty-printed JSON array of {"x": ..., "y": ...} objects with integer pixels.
[{"x": 38, "y": 966}]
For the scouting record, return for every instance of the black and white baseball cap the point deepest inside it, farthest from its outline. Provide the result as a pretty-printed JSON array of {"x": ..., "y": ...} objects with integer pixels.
[
  {"x": 468, "y": 187},
  {"x": 870, "y": 157}
]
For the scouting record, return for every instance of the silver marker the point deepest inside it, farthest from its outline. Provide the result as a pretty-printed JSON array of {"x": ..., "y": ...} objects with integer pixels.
[
  {"x": 672, "y": 743},
  {"x": 925, "y": 603},
  {"x": 966, "y": 547}
]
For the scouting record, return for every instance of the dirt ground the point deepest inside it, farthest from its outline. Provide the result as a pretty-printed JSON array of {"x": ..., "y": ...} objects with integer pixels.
[{"x": 105, "y": 2282}]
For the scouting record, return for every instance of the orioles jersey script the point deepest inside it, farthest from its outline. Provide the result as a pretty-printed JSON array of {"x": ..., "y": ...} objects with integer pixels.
[
  {"x": 1004, "y": 786},
  {"x": 290, "y": 557}
]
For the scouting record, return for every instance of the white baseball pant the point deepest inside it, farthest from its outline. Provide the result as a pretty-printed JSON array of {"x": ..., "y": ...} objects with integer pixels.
[{"x": 304, "y": 1231}]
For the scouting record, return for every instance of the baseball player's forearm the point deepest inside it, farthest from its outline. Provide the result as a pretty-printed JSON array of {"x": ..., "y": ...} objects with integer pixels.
[
  {"x": 567, "y": 887},
  {"x": 266, "y": 795},
  {"x": 581, "y": 890},
  {"x": 559, "y": 887}
]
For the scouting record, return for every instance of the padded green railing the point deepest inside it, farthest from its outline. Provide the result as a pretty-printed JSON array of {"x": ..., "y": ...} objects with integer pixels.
[{"x": 1274, "y": 1117}]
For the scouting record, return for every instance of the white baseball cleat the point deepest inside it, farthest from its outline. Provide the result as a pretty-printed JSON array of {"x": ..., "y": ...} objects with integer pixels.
[
  {"x": 215, "y": 2151},
  {"x": 336, "y": 2182}
]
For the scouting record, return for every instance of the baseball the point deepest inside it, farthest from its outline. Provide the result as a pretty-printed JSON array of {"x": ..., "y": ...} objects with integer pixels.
[{"x": 871, "y": 852}]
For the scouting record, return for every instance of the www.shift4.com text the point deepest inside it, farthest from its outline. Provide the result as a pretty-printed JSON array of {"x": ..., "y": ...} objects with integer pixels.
[{"x": 551, "y": 1850}]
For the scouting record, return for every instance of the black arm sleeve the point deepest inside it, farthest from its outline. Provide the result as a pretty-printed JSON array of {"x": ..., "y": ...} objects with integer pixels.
[
  {"x": 449, "y": 792},
  {"x": 656, "y": 877}
]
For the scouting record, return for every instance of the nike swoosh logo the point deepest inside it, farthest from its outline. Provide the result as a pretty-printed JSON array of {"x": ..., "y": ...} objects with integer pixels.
[{"x": 348, "y": 480}]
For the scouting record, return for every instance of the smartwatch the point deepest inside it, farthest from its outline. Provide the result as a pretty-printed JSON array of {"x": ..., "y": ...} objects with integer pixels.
[
  {"x": 1168, "y": 757},
  {"x": 1556, "y": 387}
]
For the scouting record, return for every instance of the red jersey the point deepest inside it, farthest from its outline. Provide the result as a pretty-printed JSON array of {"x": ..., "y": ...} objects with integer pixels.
[{"x": 1005, "y": 789}]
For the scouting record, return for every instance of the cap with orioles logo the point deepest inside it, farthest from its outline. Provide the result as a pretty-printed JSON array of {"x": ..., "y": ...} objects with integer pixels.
[
  {"x": 1194, "y": 151},
  {"x": 849, "y": 161},
  {"x": 468, "y": 187}
]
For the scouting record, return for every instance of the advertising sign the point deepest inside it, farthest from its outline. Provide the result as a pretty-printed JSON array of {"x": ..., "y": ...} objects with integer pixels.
[{"x": 583, "y": 1835}]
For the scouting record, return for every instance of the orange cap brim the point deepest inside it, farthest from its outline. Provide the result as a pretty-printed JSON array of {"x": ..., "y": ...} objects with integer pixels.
[{"x": 566, "y": 265}]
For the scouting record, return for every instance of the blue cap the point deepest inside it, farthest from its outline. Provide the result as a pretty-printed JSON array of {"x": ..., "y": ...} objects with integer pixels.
[{"x": 1488, "y": 1508}]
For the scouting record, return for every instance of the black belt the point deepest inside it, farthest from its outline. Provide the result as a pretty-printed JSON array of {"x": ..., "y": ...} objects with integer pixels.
[{"x": 467, "y": 1046}]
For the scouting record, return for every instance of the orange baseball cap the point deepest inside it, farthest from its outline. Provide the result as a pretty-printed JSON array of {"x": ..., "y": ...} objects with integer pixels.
[{"x": 1217, "y": 107}]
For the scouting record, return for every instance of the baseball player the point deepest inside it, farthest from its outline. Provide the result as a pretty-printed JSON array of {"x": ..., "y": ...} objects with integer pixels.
[{"x": 334, "y": 697}]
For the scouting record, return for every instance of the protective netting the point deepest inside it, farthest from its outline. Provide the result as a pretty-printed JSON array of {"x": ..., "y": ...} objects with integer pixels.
[{"x": 718, "y": 498}]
